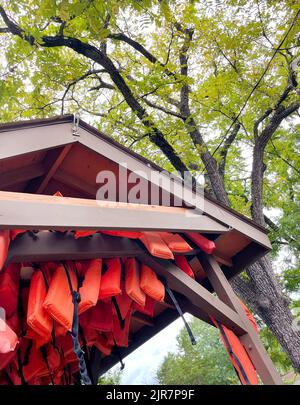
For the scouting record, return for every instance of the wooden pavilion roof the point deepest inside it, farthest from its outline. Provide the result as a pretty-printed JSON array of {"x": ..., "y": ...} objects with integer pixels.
[{"x": 40, "y": 157}]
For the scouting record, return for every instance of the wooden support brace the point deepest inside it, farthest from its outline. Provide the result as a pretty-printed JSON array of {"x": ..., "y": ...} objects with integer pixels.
[
  {"x": 195, "y": 293},
  {"x": 250, "y": 339}
]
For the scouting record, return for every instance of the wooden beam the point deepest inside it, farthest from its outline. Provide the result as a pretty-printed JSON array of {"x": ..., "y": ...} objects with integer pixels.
[
  {"x": 52, "y": 162},
  {"x": 230, "y": 244},
  {"x": 76, "y": 183},
  {"x": 188, "y": 306},
  {"x": 21, "y": 174},
  {"x": 27, "y": 140},
  {"x": 195, "y": 293},
  {"x": 244, "y": 258},
  {"x": 58, "y": 246},
  {"x": 251, "y": 341},
  {"x": 28, "y": 211},
  {"x": 220, "y": 258}
]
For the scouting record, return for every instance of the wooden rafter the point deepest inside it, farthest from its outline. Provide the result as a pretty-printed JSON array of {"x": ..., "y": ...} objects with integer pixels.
[
  {"x": 27, "y": 211},
  {"x": 199, "y": 296},
  {"x": 21, "y": 174},
  {"x": 51, "y": 164}
]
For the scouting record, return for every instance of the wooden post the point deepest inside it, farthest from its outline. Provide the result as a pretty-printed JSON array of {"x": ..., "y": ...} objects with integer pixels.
[{"x": 250, "y": 340}]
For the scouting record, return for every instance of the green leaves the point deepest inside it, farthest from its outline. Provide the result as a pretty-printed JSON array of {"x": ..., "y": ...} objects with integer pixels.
[
  {"x": 231, "y": 43},
  {"x": 205, "y": 363}
]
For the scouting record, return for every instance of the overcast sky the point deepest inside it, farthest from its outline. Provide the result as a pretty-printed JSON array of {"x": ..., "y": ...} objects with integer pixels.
[{"x": 142, "y": 364}]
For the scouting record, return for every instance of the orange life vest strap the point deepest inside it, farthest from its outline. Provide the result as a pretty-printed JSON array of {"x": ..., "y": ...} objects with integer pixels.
[{"x": 232, "y": 354}]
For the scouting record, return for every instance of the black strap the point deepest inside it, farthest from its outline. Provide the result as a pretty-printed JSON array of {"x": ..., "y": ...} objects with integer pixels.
[
  {"x": 20, "y": 368},
  {"x": 175, "y": 302},
  {"x": 117, "y": 350},
  {"x": 45, "y": 358},
  {"x": 27, "y": 353},
  {"x": 74, "y": 333},
  {"x": 86, "y": 353},
  {"x": 9, "y": 380},
  {"x": 231, "y": 352},
  {"x": 121, "y": 320}
]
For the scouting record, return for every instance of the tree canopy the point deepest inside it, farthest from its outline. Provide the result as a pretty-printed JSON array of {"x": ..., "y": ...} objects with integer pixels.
[{"x": 209, "y": 87}]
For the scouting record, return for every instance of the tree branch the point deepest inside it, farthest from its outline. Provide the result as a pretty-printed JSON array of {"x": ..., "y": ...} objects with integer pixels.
[
  {"x": 141, "y": 49},
  {"x": 258, "y": 166},
  {"x": 91, "y": 52},
  {"x": 160, "y": 108},
  {"x": 224, "y": 150},
  {"x": 215, "y": 179},
  {"x": 74, "y": 82}
]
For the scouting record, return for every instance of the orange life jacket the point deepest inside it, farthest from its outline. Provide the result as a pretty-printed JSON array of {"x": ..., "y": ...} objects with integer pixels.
[
  {"x": 82, "y": 234},
  {"x": 103, "y": 344},
  {"x": 121, "y": 333},
  {"x": 151, "y": 285},
  {"x": 124, "y": 234},
  {"x": 11, "y": 374},
  {"x": 182, "y": 263},
  {"x": 89, "y": 291},
  {"x": 132, "y": 282},
  {"x": 9, "y": 288},
  {"x": 204, "y": 244},
  {"x": 175, "y": 242},
  {"x": 123, "y": 301},
  {"x": 4, "y": 245},
  {"x": 13, "y": 233},
  {"x": 58, "y": 302},
  {"x": 38, "y": 318},
  {"x": 38, "y": 340},
  {"x": 110, "y": 281},
  {"x": 238, "y": 355},
  {"x": 155, "y": 245},
  {"x": 149, "y": 307},
  {"x": 38, "y": 363},
  {"x": 101, "y": 316},
  {"x": 250, "y": 317},
  {"x": 6, "y": 358},
  {"x": 8, "y": 338}
]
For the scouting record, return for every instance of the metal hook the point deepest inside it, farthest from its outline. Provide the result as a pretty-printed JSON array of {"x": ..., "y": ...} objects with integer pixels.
[{"x": 76, "y": 124}]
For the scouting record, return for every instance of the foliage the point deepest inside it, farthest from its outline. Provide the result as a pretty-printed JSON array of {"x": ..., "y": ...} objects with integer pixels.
[
  {"x": 278, "y": 356},
  {"x": 205, "y": 363},
  {"x": 110, "y": 378}
]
